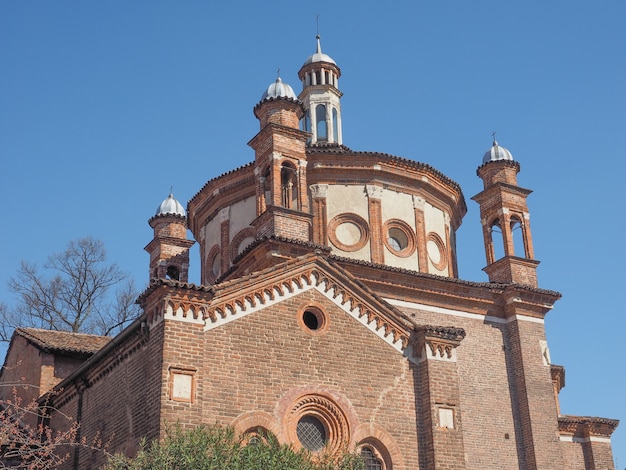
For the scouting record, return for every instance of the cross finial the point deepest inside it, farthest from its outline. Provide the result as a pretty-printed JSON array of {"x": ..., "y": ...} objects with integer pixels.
[
  {"x": 278, "y": 72},
  {"x": 493, "y": 134}
]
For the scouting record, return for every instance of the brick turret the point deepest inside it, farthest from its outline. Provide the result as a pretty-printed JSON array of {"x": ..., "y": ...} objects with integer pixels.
[
  {"x": 169, "y": 249},
  {"x": 282, "y": 197},
  {"x": 503, "y": 209}
]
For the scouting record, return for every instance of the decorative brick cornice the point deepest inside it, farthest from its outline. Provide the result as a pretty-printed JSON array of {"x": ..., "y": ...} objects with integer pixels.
[
  {"x": 558, "y": 376},
  {"x": 438, "y": 342},
  {"x": 510, "y": 163},
  {"x": 229, "y": 306},
  {"x": 587, "y": 426},
  {"x": 156, "y": 283}
]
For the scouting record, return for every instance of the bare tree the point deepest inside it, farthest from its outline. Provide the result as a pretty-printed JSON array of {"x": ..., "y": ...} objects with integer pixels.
[
  {"x": 72, "y": 293},
  {"x": 27, "y": 442}
]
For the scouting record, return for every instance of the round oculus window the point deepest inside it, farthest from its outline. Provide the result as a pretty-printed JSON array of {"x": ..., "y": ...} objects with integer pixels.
[
  {"x": 216, "y": 267},
  {"x": 397, "y": 239},
  {"x": 311, "y": 433},
  {"x": 312, "y": 319}
]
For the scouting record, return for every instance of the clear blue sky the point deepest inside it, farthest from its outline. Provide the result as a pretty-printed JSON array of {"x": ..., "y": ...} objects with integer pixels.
[{"x": 105, "y": 105}]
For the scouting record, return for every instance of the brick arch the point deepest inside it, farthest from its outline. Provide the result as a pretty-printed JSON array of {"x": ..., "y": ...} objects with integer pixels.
[
  {"x": 331, "y": 407},
  {"x": 248, "y": 232},
  {"x": 374, "y": 435},
  {"x": 208, "y": 263},
  {"x": 253, "y": 420}
]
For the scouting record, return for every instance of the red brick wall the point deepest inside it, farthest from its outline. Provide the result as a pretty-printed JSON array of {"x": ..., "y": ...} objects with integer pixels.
[
  {"x": 251, "y": 363},
  {"x": 22, "y": 370},
  {"x": 120, "y": 400}
]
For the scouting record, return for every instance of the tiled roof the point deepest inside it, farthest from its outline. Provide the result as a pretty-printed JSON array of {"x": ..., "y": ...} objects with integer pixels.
[{"x": 64, "y": 341}]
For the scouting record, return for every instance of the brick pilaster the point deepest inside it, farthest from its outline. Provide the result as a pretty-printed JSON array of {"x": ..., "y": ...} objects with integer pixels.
[
  {"x": 420, "y": 231},
  {"x": 534, "y": 405},
  {"x": 320, "y": 216},
  {"x": 438, "y": 400},
  {"x": 374, "y": 195}
]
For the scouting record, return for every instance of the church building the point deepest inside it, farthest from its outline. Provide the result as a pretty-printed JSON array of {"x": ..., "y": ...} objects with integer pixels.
[{"x": 330, "y": 313}]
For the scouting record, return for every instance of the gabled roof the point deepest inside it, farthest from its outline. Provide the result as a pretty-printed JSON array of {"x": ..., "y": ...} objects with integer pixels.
[
  {"x": 233, "y": 299},
  {"x": 63, "y": 342}
]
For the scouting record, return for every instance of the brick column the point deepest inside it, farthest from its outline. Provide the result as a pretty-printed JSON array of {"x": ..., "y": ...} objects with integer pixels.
[
  {"x": 303, "y": 194},
  {"x": 420, "y": 231},
  {"x": 507, "y": 236},
  {"x": 440, "y": 432},
  {"x": 374, "y": 196},
  {"x": 277, "y": 190},
  {"x": 320, "y": 216},
  {"x": 528, "y": 240},
  {"x": 260, "y": 192}
]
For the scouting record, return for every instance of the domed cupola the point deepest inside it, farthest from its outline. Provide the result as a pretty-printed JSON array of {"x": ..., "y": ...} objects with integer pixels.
[
  {"x": 497, "y": 153},
  {"x": 169, "y": 249},
  {"x": 321, "y": 98},
  {"x": 319, "y": 56},
  {"x": 171, "y": 206},
  {"x": 279, "y": 89},
  {"x": 279, "y": 105},
  {"x": 498, "y": 165}
]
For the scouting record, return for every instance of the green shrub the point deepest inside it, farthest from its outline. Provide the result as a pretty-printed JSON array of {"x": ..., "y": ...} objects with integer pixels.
[{"x": 221, "y": 448}]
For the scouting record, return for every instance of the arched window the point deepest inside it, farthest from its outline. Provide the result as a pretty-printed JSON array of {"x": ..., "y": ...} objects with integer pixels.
[
  {"x": 335, "y": 126},
  {"x": 497, "y": 242},
  {"x": 370, "y": 459},
  {"x": 172, "y": 273},
  {"x": 517, "y": 232},
  {"x": 289, "y": 186},
  {"x": 320, "y": 123}
]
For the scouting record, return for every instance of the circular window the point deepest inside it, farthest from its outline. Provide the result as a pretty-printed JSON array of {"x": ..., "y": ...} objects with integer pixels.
[
  {"x": 311, "y": 433},
  {"x": 348, "y": 232},
  {"x": 213, "y": 264},
  {"x": 312, "y": 319},
  {"x": 436, "y": 250},
  {"x": 216, "y": 266},
  {"x": 433, "y": 252},
  {"x": 316, "y": 422},
  {"x": 399, "y": 238}
]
